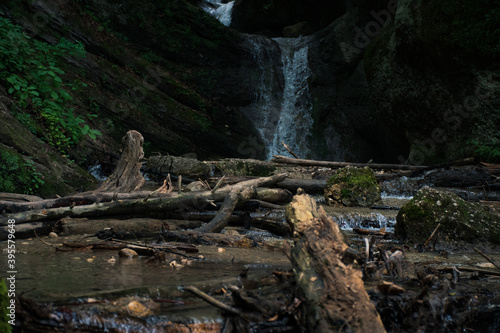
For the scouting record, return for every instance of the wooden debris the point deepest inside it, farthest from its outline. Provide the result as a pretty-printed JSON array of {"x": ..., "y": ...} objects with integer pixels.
[
  {"x": 198, "y": 200},
  {"x": 380, "y": 232},
  {"x": 335, "y": 294},
  {"x": 330, "y": 164},
  {"x": 487, "y": 257},
  {"x": 287, "y": 147},
  {"x": 127, "y": 175}
]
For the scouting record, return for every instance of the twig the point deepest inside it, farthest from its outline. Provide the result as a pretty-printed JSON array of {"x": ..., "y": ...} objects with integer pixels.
[
  {"x": 46, "y": 243},
  {"x": 179, "y": 184},
  {"x": 289, "y": 150},
  {"x": 213, "y": 301},
  {"x": 219, "y": 183},
  {"x": 487, "y": 257},
  {"x": 432, "y": 235}
]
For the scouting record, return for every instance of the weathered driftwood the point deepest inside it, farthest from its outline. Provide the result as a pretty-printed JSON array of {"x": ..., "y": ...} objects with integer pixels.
[
  {"x": 208, "y": 238},
  {"x": 331, "y": 164},
  {"x": 197, "y": 200},
  {"x": 84, "y": 198},
  {"x": 127, "y": 175},
  {"x": 16, "y": 197},
  {"x": 308, "y": 185},
  {"x": 130, "y": 228},
  {"x": 237, "y": 196},
  {"x": 335, "y": 295}
]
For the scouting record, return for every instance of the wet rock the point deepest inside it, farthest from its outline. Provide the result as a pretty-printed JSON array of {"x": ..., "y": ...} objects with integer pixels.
[
  {"x": 134, "y": 306},
  {"x": 352, "y": 187},
  {"x": 245, "y": 167},
  {"x": 460, "y": 220},
  {"x": 127, "y": 253}
]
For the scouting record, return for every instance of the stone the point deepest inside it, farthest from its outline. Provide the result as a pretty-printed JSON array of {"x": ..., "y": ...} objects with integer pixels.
[
  {"x": 127, "y": 253},
  {"x": 352, "y": 187},
  {"x": 53, "y": 235},
  {"x": 460, "y": 220}
]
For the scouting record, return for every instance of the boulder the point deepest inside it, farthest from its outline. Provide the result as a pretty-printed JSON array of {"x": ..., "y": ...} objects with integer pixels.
[
  {"x": 460, "y": 220},
  {"x": 352, "y": 187}
]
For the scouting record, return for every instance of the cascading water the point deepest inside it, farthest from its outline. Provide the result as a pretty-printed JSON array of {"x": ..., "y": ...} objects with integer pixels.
[
  {"x": 295, "y": 120},
  {"x": 221, "y": 11},
  {"x": 282, "y": 108}
]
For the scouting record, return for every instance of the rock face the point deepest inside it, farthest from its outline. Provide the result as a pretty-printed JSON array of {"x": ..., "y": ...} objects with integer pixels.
[
  {"x": 352, "y": 187},
  {"x": 460, "y": 220},
  {"x": 433, "y": 74}
]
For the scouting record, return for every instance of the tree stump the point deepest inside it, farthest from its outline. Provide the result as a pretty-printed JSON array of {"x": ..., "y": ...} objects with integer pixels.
[
  {"x": 336, "y": 298},
  {"x": 127, "y": 175}
]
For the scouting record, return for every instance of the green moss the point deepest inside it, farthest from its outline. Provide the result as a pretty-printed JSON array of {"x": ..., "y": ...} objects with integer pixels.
[
  {"x": 460, "y": 220},
  {"x": 356, "y": 186},
  {"x": 470, "y": 25}
]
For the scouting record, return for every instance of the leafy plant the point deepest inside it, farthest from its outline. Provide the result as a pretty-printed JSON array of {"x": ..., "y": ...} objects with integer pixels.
[
  {"x": 30, "y": 69},
  {"x": 486, "y": 151},
  {"x": 17, "y": 174}
]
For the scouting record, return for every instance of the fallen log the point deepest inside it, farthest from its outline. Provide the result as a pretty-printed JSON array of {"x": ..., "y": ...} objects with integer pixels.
[
  {"x": 336, "y": 298},
  {"x": 84, "y": 198},
  {"x": 131, "y": 228},
  {"x": 331, "y": 164},
  {"x": 308, "y": 185},
  {"x": 197, "y": 200},
  {"x": 208, "y": 238},
  {"x": 236, "y": 196}
]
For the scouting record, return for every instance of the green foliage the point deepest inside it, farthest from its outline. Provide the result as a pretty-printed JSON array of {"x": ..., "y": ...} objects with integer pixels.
[
  {"x": 4, "y": 303},
  {"x": 17, "y": 174},
  {"x": 469, "y": 24},
  {"x": 486, "y": 151},
  {"x": 30, "y": 69}
]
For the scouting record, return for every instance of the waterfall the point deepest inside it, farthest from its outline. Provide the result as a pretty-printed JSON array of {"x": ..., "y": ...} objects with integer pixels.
[
  {"x": 282, "y": 107},
  {"x": 295, "y": 120},
  {"x": 221, "y": 11}
]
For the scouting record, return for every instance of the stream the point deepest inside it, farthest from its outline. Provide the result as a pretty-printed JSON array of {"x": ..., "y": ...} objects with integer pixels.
[{"x": 97, "y": 288}]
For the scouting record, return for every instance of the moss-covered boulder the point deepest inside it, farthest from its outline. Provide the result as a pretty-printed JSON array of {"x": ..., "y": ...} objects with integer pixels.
[
  {"x": 352, "y": 187},
  {"x": 460, "y": 220}
]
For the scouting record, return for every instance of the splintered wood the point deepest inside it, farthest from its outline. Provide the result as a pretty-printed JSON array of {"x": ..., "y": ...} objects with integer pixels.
[
  {"x": 335, "y": 293},
  {"x": 127, "y": 175}
]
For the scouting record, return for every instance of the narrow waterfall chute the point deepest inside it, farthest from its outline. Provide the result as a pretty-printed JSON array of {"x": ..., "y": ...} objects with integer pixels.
[
  {"x": 221, "y": 11},
  {"x": 282, "y": 107},
  {"x": 295, "y": 121}
]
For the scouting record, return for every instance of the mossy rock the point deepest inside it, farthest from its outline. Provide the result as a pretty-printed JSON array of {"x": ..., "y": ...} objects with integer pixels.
[
  {"x": 353, "y": 187},
  {"x": 245, "y": 167},
  {"x": 460, "y": 220}
]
